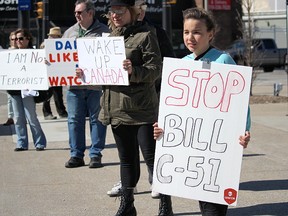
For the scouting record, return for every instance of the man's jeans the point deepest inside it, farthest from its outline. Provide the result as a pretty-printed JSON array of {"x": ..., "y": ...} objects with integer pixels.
[
  {"x": 79, "y": 103},
  {"x": 25, "y": 108}
]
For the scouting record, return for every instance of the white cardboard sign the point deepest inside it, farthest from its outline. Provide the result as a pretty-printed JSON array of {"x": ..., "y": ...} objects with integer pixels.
[
  {"x": 203, "y": 111},
  {"x": 101, "y": 59},
  {"x": 62, "y": 58},
  {"x": 23, "y": 69}
]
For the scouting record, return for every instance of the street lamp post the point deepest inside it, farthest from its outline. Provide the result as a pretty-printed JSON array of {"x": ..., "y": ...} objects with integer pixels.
[{"x": 166, "y": 18}]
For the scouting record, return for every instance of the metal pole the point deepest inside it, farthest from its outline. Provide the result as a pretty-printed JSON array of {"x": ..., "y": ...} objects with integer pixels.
[
  {"x": 286, "y": 57},
  {"x": 274, "y": 31},
  {"x": 166, "y": 18},
  {"x": 23, "y": 19},
  {"x": 45, "y": 20},
  {"x": 39, "y": 34},
  {"x": 206, "y": 5}
]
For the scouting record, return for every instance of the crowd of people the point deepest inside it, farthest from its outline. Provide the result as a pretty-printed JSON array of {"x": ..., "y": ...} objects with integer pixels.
[{"x": 131, "y": 111}]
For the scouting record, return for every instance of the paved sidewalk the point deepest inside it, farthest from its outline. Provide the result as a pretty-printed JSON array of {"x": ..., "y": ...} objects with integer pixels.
[{"x": 37, "y": 183}]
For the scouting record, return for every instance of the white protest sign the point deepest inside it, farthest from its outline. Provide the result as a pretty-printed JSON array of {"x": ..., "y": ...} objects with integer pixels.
[
  {"x": 101, "y": 59},
  {"x": 203, "y": 111},
  {"x": 62, "y": 58},
  {"x": 23, "y": 69}
]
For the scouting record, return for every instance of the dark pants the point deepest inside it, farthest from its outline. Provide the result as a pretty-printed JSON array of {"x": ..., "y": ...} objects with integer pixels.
[
  {"x": 128, "y": 139},
  {"x": 212, "y": 209},
  {"x": 58, "y": 98}
]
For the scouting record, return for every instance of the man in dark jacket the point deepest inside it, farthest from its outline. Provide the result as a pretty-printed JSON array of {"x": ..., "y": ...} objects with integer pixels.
[
  {"x": 164, "y": 42},
  {"x": 82, "y": 100}
]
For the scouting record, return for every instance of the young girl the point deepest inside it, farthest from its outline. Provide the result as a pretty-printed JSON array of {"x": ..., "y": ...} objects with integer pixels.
[{"x": 198, "y": 32}]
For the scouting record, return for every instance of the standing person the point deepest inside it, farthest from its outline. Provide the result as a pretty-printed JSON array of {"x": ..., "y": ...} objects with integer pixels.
[
  {"x": 164, "y": 42},
  {"x": 198, "y": 32},
  {"x": 131, "y": 110},
  {"x": 25, "y": 107},
  {"x": 85, "y": 99},
  {"x": 166, "y": 50},
  {"x": 55, "y": 33},
  {"x": 10, "y": 121}
]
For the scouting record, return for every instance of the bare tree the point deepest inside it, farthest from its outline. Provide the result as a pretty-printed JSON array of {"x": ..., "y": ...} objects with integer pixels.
[{"x": 248, "y": 55}]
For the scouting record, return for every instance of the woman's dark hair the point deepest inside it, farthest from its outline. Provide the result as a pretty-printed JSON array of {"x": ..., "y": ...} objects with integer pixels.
[
  {"x": 27, "y": 35},
  {"x": 200, "y": 14}
]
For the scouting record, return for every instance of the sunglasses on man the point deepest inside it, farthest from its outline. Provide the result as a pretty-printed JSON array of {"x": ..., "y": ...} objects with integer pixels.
[{"x": 79, "y": 12}]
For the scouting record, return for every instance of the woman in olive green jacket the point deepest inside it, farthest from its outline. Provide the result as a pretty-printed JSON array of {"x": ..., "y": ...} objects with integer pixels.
[
  {"x": 137, "y": 103},
  {"x": 132, "y": 110}
]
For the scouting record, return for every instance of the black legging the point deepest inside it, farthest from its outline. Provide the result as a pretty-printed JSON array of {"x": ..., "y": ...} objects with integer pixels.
[
  {"x": 212, "y": 209},
  {"x": 58, "y": 99},
  {"x": 128, "y": 139}
]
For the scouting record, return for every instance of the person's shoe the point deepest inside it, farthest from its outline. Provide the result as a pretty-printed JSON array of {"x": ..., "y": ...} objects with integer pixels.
[
  {"x": 155, "y": 195},
  {"x": 116, "y": 190},
  {"x": 165, "y": 206},
  {"x": 39, "y": 148},
  {"x": 20, "y": 149},
  {"x": 95, "y": 162},
  {"x": 50, "y": 117},
  {"x": 65, "y": 115},
  {"x": 9, "y": 121},
  {"x": 127, "y": 207},
  {"x": 74, "y": 162}
]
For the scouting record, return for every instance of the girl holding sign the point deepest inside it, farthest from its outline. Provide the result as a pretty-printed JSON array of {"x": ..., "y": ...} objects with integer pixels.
[
  {"x": 25, "y": 108},
  {"x": 198, "y": 32}
]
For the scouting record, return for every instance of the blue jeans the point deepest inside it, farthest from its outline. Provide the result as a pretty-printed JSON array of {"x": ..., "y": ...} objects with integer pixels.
[
  {"x": 25, "y": 108},
  {"x": 9, "y": 106},
  {"x": 79, "y": 103}
]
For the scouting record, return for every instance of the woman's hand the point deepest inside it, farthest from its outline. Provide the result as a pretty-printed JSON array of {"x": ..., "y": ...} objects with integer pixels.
[
  {"x": 47, "y": 62},
  {"x": 158, "y": 132},
  {"x": 127, "y": 65},
  {"x": 244, "y": 140},
  {"x": 79, "y": 73}
]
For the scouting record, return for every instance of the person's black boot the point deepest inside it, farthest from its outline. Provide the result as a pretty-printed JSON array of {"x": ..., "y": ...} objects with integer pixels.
[
  {"x": 165, "y": 206},
  {"x": 127, "y": 207}
]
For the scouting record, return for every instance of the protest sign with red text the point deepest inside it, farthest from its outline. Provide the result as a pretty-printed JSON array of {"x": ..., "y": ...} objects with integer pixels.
[
  {"x": 101, "y": 59},
  {"x": 203, "y": 111},
  {"x": 62, "y": 59}
]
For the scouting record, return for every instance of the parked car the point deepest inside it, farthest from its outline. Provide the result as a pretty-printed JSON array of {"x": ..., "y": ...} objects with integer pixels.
[{"x": 265, "y": 53}]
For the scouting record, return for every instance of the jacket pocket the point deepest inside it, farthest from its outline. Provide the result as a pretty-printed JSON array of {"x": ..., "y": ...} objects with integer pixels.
[{"x": 137, "y": 99}]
